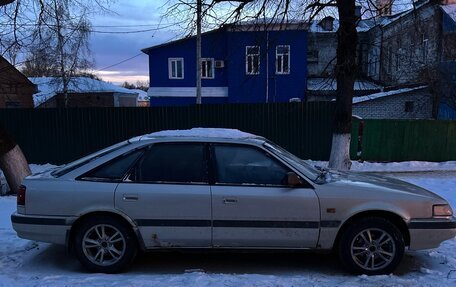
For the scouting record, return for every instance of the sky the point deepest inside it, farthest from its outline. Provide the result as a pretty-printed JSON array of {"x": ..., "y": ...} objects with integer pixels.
[{"x": 111, "y": 48}]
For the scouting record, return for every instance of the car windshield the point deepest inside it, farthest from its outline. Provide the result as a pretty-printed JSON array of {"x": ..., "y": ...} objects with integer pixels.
[
  {"x": 82, "y": 161},
  {"x": 309, "y": 171}
]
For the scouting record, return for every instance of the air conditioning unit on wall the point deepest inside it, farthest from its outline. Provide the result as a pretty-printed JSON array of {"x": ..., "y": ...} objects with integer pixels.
[{"x": 219, "y": 64}]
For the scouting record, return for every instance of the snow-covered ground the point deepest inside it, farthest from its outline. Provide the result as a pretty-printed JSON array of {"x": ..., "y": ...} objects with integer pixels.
[
  {"x": 26, "y": 263},
  {"x": 404, "y": 166}
]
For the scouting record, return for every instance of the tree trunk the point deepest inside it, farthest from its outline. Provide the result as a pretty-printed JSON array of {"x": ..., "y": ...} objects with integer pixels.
[
  {"x": 12, "y": 161},
  {"x": 345, "y": 75}
]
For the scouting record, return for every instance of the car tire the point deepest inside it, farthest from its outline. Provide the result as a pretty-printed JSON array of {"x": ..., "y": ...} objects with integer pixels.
[
  {"x": 371, "y": 246},
  {"x": 104, "y": 245}
]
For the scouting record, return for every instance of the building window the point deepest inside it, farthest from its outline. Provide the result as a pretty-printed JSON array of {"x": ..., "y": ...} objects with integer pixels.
[
  {"x": 408, "y": 108},
  {"x": 176, "y": 68},
  {"x": 207, "y": 68},
  {"x": 252, "y": 60},
  {"x": 283, "y": 59}
]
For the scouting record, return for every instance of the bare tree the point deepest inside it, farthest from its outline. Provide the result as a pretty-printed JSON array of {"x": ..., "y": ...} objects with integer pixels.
[
  {"x": 281, "y": 11},
  {"x": 53, "y": 34}
]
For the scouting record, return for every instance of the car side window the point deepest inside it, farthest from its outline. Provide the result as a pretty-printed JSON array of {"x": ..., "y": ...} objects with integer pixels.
[
  {"x": 247, "y": 165},
  {"x": 116, "y": 168},
  {"x": 173, "y": 163}
]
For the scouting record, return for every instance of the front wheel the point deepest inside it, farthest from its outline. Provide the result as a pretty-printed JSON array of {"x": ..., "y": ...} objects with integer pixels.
[
  {"x": 371, "y": 246},
  {"x": 104, "y": 245}
]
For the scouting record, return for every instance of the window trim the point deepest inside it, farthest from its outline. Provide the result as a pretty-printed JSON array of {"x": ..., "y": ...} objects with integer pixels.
[
  {"x": 213, "y": 167},
  {"x": 247, "y": 60},
  {"x": 170, "y": 68},
  {"x": 212, "y": 68},
  {"x": 283, "y": 55},
  {"x": 147, "y": 148}
]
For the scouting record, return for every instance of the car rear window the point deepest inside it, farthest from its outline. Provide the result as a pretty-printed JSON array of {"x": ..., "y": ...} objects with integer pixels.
[
  {"x": 115, "y": 169},
  {"x": 82, "y": 161}
]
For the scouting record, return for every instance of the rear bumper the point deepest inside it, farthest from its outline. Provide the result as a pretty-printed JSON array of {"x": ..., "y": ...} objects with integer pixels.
[
  {"x": 429, "y": 233},
  {"x": 41, "y": 228}
]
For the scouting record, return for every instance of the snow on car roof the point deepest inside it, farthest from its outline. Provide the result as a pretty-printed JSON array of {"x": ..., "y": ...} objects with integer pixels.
[{"x": 200, "y": 133}]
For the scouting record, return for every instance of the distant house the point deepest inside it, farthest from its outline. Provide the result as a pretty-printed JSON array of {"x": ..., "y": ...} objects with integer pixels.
[
  {"x": 405, "y": 103},
  {"x": 244, "y": 63},
  {"x": 83, "y": 92},
  {"x": 15, "y": 89},
  {"x": 143, "y": 99}
]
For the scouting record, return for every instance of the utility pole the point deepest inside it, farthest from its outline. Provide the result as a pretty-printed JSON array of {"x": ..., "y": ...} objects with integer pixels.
[
  {"x": 199, "y": 9},
  {"x": 198, "y": 51}
]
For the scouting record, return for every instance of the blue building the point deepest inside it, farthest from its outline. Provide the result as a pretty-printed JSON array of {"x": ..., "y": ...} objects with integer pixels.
[{"x": 240, "y": 64}]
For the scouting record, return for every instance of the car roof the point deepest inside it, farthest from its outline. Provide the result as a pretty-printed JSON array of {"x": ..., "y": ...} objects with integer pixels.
[{"x": 200, "y": 134}]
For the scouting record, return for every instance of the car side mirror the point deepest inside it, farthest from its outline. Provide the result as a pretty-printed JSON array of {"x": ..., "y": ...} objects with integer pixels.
[{"x": 293, "y": 180}]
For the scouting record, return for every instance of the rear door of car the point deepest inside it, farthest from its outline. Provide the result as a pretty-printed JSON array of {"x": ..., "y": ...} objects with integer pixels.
[
  {"x": 168, "y": 195},
  {"x": 252, "y": 204}
]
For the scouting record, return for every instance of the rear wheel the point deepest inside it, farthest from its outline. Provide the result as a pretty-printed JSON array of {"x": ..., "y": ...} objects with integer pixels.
[
  {"x": 371, "y": 246},
  {"x": 102, "y": 244}
]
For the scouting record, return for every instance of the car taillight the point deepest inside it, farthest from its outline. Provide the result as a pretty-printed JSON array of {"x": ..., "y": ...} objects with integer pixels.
[{"x": 21, "y": 195}]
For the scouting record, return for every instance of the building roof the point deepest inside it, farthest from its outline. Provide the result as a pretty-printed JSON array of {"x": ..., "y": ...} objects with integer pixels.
[
  {"x": 48, "y": 87},
  {"x": 371, "y": 97},
  {"x": 330, "y": 84},
  {"x": 450, "y": 9},
  {"x": 7, "y": 69},
  {"x": 198, "y": 133}
]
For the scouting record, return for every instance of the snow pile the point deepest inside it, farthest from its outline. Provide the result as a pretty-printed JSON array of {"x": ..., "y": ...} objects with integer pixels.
[
  {"x": 404, "y": 166},
  {"x": 203, "y": 132}
]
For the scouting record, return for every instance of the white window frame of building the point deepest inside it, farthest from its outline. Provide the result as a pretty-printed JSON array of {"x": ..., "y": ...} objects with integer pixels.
[
  {"x": 172, "y": 63},
  {"x": 250, "y": 57},
  {"x": 280, "y": 69},
  {"x": 207, "y": 68}
]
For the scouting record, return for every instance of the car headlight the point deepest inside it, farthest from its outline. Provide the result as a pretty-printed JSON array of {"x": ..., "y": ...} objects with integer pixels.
[{"x": 442, "y": 210}]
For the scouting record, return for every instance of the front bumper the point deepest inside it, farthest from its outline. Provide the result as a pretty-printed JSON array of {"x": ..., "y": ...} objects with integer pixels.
[
  {"x": 429, "y": 233},
  {"x": 41, "y": 228}
]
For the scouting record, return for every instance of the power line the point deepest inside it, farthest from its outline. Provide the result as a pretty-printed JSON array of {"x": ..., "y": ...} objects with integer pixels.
[
  {"x": 121, "y": 62},
  {"x": 99, "y": 31}
]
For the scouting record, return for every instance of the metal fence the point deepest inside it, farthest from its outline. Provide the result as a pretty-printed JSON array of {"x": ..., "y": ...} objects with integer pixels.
[
  {"x": 402, "y": 140},
  {"x": 61, "y": 135}
]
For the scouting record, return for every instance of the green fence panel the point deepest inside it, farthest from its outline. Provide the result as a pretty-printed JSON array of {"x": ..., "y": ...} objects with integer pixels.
[{"x": 403, "y": 140}]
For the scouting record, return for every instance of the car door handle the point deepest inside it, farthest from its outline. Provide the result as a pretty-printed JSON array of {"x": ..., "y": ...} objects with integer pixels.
[
  {"x": 130, "y": 197},
  {"x": 229, "y": 200}
]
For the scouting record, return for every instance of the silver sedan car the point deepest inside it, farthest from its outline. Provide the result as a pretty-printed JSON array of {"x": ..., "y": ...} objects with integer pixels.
[{"x": 224, "y": 189}]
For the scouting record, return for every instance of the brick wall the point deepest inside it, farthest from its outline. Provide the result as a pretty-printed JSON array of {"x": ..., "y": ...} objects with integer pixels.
[{"x": 394, "y": 107}]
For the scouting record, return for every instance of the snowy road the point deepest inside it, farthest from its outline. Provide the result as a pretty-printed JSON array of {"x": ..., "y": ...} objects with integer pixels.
[{"x": 25, "y": 263}]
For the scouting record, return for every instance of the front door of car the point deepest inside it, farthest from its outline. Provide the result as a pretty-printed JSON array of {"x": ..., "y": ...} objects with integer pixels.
[
  {"x": 254, "y": 207},
  {"x": 168, "y": 195}
]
